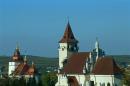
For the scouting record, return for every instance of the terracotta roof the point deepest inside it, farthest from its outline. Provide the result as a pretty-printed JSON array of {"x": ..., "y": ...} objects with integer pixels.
[
  {"x": 75, "y": 63},
  {"x": 106, "y": 66},
  {"x": 72, "y": 81},
  {"x": 21, "y": 69},
  {"x": 68, "y": 35},
  {"x": 25, "y": 69}
]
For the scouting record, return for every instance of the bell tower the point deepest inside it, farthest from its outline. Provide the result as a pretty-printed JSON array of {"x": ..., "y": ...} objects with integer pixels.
[{"x": 67, "y": 46}]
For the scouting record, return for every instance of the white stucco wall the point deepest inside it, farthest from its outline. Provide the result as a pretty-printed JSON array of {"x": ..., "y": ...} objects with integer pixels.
[
  {"x": 62, "y": 80},
  {"x": 65, "y": 52},
  {"x": 105, "y": 79},
  {"x": 12, "y": 67},
  {"x": 81, "y": 79},
  {"x": 62, "y": 53}
]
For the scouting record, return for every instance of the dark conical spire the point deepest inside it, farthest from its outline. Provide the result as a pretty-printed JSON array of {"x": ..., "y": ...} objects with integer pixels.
[
  {"x": 68, "y": 35},
  {"x": 17, "y": 51}
]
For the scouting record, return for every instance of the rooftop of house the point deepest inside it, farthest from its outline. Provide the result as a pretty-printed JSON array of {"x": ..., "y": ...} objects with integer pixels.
[
  {"x": 75, "y": 63},
  {"x": 106, "y": 66}
]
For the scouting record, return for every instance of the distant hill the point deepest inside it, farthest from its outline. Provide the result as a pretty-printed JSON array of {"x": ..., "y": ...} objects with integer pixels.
[
  {"x": 44, "y": 62},
  {"x": 40, "y": 62},
  {"x": 122, "y": 60}
]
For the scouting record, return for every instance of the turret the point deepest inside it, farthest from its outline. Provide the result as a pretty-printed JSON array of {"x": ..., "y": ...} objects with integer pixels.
[
  {"x": 25, "y": 60},
  {"x": 97, "y": 52}
]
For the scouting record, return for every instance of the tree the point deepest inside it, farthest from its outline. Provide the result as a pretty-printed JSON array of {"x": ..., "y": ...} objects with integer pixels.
[
  {"x": 126, "y": 77},
  {"x": 49, "y": 79}
]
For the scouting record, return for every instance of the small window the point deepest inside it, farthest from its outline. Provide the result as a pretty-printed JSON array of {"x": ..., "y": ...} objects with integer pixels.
[
  {"x": 91, "y": 83},
  {"x": 100, "y": 84},
  {"x": 103, "y": 84}
]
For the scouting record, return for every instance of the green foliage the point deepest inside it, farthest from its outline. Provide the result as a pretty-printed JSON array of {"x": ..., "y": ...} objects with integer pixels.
[
  {"x": 126, "y": 78},
  {"x": 49, "y": 79},
  {"x": 18, "y": 82},
  {"x": 4, "y": 82}
]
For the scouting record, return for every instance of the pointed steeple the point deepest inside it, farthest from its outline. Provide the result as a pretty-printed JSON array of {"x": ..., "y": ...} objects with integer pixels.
[{"x": 68, "y": 36}]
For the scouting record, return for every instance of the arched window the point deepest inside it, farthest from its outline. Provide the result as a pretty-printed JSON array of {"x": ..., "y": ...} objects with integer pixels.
[
  {"x": 100, "y": 84},
  {"x": 103, "y": 84},
  {"x": 91, "y": 83},
  {"x": 108, "y": 84}
]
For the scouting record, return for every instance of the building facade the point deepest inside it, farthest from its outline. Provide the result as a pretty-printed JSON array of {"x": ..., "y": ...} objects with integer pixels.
[
  {"x": 20, "y": 68},
  {"x": 85, "y": 68}
]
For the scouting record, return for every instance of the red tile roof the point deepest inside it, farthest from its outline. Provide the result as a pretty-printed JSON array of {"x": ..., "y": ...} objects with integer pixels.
[
  {"x": 21, "y": 69},
  {"x": 75, "y": 63},
  {"x": 24, "y": 69},
  {"x": 68, "y": 35},
  {"x": 106, "y": 66}
]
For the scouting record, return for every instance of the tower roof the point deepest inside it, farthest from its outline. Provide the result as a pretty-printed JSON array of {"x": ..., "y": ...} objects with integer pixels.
[
  {"x": 68, "y": 36},
  {"x": 17, "y": 56}
]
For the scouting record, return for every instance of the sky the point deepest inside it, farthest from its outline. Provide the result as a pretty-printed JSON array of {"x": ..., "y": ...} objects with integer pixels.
[{"x": 38, "y": 25}]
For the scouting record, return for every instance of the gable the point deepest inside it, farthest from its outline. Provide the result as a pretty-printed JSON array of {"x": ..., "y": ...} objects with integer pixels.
[
  {"x": 75, "y": 63},
  {"x": 106, "y": 66}
]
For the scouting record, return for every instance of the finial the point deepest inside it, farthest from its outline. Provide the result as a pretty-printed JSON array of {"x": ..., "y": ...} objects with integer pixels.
[
  {"x": 25, "y": 58},
  {"x": 90, "y": 54},
  {"x": 17, "y": 46},
  {"x": 32, "y": 64},
  {"x": 68, "y": 18},
  {"x": 97, "y": 43},
  {"x": 97, "y": 39}
]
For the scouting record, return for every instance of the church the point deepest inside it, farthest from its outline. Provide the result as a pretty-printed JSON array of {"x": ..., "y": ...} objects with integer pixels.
[
  {"x": 19, "y": 67},
  {"x": 91, "y": 68}
]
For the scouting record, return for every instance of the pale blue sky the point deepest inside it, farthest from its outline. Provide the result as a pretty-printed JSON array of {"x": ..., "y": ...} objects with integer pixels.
[{"x": 38, "y": 25}]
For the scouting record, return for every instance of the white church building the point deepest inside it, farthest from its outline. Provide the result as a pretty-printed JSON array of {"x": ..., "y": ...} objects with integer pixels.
[
  {"x": 19, "y": 66},
  {"x": 85, "y": 68}
]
